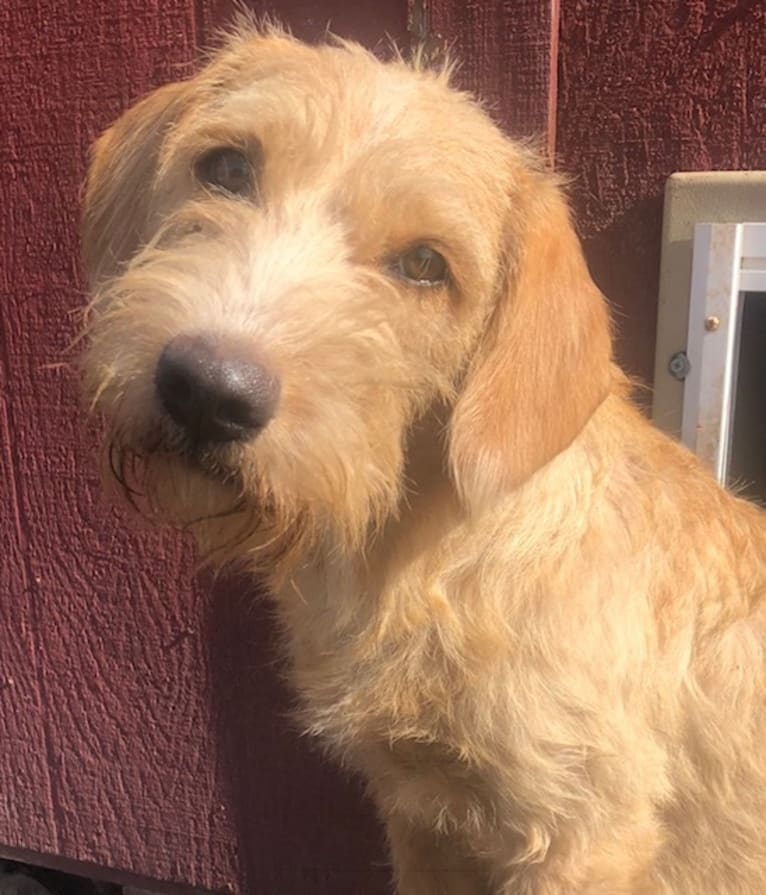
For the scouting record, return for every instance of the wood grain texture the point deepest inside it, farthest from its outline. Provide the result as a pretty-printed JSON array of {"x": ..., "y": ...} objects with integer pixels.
[
  {"x": 507, "y": 52},
  {"x": 372, "y": 22},
  {"x": 143, "y": 734},
  {"x": 646, "y": 88}
]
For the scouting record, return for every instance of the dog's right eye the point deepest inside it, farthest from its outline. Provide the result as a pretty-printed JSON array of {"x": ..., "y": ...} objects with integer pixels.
[
  {"x": 225, "y": 169},
  {"x": 422, "y": 266}
]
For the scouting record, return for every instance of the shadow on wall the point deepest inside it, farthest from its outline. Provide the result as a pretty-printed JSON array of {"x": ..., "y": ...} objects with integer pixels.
[
  {"x": 301, "y": 824},
  {"x": 17, "y": 878},
  {"x": 624, "y": 260}
]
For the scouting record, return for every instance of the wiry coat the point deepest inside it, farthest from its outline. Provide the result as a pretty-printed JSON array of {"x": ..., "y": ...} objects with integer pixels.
[{"x": 531, "y": 621}]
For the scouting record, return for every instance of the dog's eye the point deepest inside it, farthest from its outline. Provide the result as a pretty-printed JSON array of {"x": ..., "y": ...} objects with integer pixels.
[
  {"x": 423, "y": 266},
  {"x": 225, "y": 169}
]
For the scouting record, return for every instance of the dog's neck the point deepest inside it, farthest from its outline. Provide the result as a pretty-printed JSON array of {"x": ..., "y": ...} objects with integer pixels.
[
  {"x": 431, "y": 527},
  {"x": 427, "y": 509}
]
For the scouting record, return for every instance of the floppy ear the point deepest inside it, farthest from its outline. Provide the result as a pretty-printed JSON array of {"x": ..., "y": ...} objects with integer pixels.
[
  {"x": 120, "y": 181},
  {"x": 543, "y": 366}
]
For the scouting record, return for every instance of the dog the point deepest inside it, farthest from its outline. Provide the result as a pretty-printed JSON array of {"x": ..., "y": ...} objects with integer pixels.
[{"x": 342, "y": 329}]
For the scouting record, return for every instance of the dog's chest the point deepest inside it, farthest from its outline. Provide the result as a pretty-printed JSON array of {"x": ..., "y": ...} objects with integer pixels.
[
  {"x": 384, "y": 697},
  {"x": 435, "y": 721},
  {"x": 427, "y": 782}
]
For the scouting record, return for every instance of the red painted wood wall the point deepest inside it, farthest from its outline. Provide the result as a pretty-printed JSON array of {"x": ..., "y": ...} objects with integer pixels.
[
  {"x": 143, "y": 730},
  {"x": 648, "y": 87}
]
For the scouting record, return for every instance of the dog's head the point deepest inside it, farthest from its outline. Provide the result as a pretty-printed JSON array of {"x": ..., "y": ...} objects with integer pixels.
[{"x": 293, "y": 256}]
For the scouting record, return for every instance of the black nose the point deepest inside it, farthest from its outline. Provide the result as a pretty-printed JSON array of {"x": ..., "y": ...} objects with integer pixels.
[{"x": 214, "y": 388}]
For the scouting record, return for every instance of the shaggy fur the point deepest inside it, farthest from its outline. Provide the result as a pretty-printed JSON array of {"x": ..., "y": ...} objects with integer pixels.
[{"x": 532, "y": 622}]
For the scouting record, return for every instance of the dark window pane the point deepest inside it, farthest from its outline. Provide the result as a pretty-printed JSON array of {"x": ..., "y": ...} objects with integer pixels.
[{"x": 747, "y": 454}]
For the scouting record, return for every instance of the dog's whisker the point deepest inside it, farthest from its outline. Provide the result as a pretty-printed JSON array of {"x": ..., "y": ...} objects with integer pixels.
[{"x": 234, "y": 510}]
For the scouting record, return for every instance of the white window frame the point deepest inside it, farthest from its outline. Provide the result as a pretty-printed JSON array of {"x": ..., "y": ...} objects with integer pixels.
[{"x": 728, "y": 260}]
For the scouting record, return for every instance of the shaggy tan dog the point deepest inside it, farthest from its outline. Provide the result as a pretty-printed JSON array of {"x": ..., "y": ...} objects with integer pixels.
[{"x": 343, "y": 329}]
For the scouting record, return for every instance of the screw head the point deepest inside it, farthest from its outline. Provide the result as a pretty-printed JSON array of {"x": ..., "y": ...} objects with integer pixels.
[
  {"x": 712, "y": 323},
  {"x": 679, "y": 366}
]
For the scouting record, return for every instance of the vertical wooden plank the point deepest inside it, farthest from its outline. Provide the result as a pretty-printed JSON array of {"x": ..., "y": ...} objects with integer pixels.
[
  {"x": 24, "y": 744},
  {"x": 646, "y": 88},
  {"x": 507, "y": 53}
]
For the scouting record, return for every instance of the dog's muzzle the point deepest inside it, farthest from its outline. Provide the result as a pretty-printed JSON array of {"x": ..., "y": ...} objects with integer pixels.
[{"x": 215, "y": 389}]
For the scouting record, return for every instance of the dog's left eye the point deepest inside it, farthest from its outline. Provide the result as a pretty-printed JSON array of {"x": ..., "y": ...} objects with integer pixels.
[
  {"x": 226, "y": 169},
  {"x": 423, "y": 266}
]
